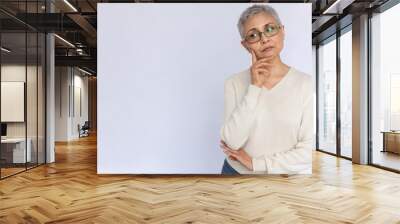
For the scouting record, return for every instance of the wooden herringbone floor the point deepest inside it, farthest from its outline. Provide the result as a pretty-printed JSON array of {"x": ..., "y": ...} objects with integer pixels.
[{"x": 70, "y": 191}]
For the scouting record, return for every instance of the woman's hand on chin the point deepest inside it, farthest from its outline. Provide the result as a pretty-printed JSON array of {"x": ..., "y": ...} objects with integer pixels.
[
  {"x": 239, "y": 155},
  {"x": 260, "y": 70}
]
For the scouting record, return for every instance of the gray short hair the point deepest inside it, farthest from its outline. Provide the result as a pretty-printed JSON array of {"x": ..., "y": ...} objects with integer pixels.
[{"x": 253, "y": 10}]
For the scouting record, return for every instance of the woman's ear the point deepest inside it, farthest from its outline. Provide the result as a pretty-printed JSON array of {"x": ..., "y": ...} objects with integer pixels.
[{"x": 245, "y": 46}]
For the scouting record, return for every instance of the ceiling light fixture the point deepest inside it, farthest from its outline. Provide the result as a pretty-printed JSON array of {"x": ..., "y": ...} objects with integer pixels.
[
  {"x": 5, "y": 50},
  {"x": 64, "y": 40},
  {"x": 338, "y": 7},
  {"x": 84, "y": 71},
  {"x": 329, "y": 9},
  {"x": 70, "y": 5}
]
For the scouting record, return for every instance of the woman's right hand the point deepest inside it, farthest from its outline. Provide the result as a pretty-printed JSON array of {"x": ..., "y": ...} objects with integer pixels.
[{"x": 259, "y": 70}]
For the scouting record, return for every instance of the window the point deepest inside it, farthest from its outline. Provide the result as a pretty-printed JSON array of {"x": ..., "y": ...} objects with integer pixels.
[
  {"x": 385, "y": 88},
  {"x": 346, "y": 94},
  {"x": 327, "y": 97}
]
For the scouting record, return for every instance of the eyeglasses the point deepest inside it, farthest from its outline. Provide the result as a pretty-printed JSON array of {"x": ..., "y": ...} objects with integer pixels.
[{"x": 269, "y": 31}]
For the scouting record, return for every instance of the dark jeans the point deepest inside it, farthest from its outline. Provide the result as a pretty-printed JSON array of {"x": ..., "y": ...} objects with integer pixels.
[{"x": 227, "y": 169}]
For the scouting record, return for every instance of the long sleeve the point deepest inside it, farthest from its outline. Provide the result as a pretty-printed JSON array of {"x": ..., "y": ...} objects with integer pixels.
[
  {"x": 299, "y": 158},
  {"x": 238, "y": 117}
]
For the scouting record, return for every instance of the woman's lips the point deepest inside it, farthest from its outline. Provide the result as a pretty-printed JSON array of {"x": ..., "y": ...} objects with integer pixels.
[{"x": 267, "y": 49}]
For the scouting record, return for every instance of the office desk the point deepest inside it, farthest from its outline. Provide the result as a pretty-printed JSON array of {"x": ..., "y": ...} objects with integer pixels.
[
  {"x": 391, "y": 141},
  {"x": 13, "y": 150}
]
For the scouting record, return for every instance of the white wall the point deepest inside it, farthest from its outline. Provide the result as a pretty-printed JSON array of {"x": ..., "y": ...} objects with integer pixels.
[
  {"x": 80, "y": 83},
  {"x": 17, "y": 73},
  {"x": 161, "y": 74},
  {"x": 61, "y": 103},
  {"x": 67, "y": 80},
  {"x": 12, "y": 101}
]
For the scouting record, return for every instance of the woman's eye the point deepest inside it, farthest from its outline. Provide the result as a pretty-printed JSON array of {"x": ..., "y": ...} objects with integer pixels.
[
  {"x": 270, "y": 29},
  {"x": 253, "y": 36}
]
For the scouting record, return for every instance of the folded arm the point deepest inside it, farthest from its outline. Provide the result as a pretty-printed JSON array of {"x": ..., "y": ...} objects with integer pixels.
[{"x": 238, "y": 117}]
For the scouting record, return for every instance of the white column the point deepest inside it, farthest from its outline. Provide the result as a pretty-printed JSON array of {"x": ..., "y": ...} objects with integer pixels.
[
  {"x": 360, "y": 90},
  {"x": 50, "y": 79},
  {"x": 50, "y": 92}
]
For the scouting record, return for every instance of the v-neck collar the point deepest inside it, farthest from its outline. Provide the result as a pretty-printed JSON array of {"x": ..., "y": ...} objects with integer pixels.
[{"x": 280, "y": 83}]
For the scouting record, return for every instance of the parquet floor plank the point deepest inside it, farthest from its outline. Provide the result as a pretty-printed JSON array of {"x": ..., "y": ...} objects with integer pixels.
[{"x": 70, "y": 191}]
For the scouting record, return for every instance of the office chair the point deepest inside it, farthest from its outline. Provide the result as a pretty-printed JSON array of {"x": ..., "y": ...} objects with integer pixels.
[{"x": 84, "y": 130}]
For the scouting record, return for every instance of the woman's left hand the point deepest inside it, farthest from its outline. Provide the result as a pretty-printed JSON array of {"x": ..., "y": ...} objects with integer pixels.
[{"x": 239, "y": 155}]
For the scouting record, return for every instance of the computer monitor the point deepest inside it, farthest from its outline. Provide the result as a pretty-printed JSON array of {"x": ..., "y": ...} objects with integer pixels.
[{"x": 3, "y": 129}]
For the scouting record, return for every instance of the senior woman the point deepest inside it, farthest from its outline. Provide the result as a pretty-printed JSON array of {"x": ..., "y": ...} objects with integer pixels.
[{"x": 268, "y": 108}]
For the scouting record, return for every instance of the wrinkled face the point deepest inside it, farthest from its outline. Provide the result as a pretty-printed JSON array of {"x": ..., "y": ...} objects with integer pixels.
[{"x": 266, "y": 47}]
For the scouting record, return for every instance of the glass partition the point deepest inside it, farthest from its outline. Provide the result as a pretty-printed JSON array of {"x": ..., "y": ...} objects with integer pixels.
[
  {"x": 22, "y": 63},
  {"x": 14, "y": 153},
  {"x": 32, "y": 95}
]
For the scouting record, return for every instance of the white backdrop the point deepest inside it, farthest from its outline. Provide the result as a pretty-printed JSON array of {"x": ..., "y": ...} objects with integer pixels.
[{"x": 161, "y": 72}]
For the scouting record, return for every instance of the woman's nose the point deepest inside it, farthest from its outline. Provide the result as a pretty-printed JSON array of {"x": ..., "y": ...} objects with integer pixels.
[{"x": 264, "y": 38}]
